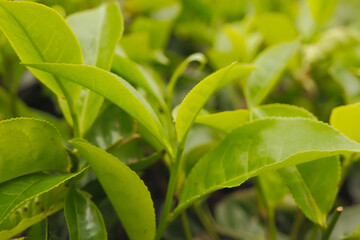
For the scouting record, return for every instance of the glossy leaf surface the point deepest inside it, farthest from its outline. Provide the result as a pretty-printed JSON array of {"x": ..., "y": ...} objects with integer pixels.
[
  {"x": 270, "y": 65},
  {"x": 29, "y": 145},
  {"x": 199, "y": 95},
  {"x": 98, "y": 31},
  {"x": 260, "y": 146},
  {"x": 113, "y": 88},
  {"x": 126, "y": 191},
  {"x": 83, "y": 218}
]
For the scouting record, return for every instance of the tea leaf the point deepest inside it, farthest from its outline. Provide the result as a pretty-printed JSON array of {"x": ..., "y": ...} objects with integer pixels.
[
  {"x": 126, "y": 191},
  {"x": 314, "y": 184},
  {"x": 113, "y": 88},
  {"x": 198, "y": 96},
  {"x": 29, "y": 145},
  {"x": 39, "y": 34},
  {"x": 225, "y": 121},
  {"x": 83, "y": 218},
  {"x": 346, "y": 120},
  {"x": 32, "y": 211},
  {"x": 38, "y": 231},
  {"x": 136, "y": 74},
  {"x": 98, "y": 31},
  {"x": 270, "y": 65},
  {"x": 260, "y": 146},
  {"x": 322, "y": 10},
  {"x": 17, "y": 191}
]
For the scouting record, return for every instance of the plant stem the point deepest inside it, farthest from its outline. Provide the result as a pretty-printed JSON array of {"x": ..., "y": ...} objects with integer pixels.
[
  {"x": 296, "y": 227},
  {"x": 271, "y": 224},
  {"x": 186, "y": 226},
  {"x": 327, "y": 232},
  {"x": 205, "y": 220},
  {"x": 69, "y": 100},
  {"x": 174, "y": 172}
]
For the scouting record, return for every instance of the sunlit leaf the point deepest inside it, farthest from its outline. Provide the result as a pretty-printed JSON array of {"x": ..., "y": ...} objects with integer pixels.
[{"x": 260, "y": 146}]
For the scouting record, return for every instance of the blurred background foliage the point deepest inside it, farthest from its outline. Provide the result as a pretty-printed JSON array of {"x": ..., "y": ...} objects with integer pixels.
[{"x": 159, "y": 35}]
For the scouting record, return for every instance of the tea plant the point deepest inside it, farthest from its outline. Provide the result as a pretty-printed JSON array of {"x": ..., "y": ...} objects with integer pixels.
[{"x": 123, "y": 130}]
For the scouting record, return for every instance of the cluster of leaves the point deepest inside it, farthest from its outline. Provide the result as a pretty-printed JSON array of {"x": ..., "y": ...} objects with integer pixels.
[{"x": 127, "y": 123}]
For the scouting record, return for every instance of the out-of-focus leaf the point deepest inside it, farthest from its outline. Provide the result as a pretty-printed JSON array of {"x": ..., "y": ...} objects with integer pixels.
[
  {"x": 260, "y": 146},
  {"x": 98, "y": 31},
  {"x": 238, "y": 212},
  {"x": 199, "y": 95},
  {"x": 272, "y": 188},
  {"x": 115, "y": 89},
  {"x": 136, "y": 74},
  {"x": 348, "y": 82},
  {"x": 111, "y": 125},
  {"x": 322, "y": 9},
  {"x": 38, "y": 231},
  {"x": 276, "y": 27},
  {"x": 83, "y": 218},
  {"x": 225, "y": 121},
  {"x": 347, "y": 224},
  {"x": 29, "y": 145},
  {"x": 346, "y": 120},
  {"x": 270, "y": 65},
  {"x": 126, "y": 191}
]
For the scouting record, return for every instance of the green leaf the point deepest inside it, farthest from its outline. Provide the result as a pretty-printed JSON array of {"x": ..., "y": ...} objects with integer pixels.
[
  {"x": 229, "y": 120},
  {"x": 98, "y": 31},
  {"x": 39, "y": 34},
  {"x": 239, "y": 213},
  {"x": 195, "y": 57},
  {"x": 322, "y": 10},
  {"x": 111, "y": 125},
  {"x": 29, "y": 199},
  {"x": 349, "y": 83},
  {"x": 127, "y": 193},
  {"x": 32, "y": 212},
  {"x": 113, "y": 88},
  {"x": 271, "y": 64},
  {"x": 16, "y": 191},
  {"x": 346, "y": 120},
  {"x": 225, "y": 121},
  {"x": 280, "y": 110},
  {"x": 29, "y": 145},
  {"x": 260, "y": 146},
  {"x": 276, "y": 27},
  {"x": 83, "y": 218},
  {"x": 38, "y": 231},
  {"x": 136, "y": 74},
  {"x": 272, "y": 188},
  {"x": 314, "y": 184},
  {"x": 199, "y": 95}
]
